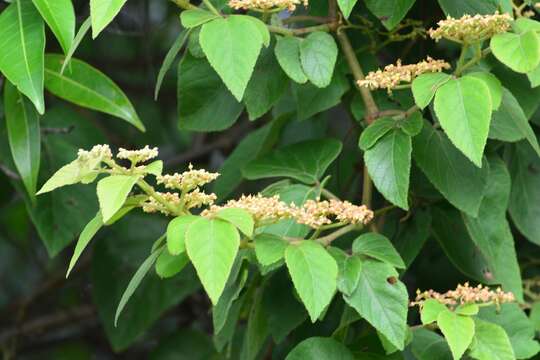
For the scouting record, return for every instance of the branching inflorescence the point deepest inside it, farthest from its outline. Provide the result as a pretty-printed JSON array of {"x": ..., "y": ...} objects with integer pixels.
[
  {"x": 266, "y": 5},
  {"x": 471, "y": 29}
]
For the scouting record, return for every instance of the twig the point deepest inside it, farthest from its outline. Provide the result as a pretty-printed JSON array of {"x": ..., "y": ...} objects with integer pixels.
[{"x": 9, "y": 173}]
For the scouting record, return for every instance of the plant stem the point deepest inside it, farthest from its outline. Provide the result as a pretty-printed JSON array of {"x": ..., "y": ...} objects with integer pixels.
[
  {"x": 326, "y": 240},
  {"x": 184, "y": 4},
  {"x": 211, "y": 7},
  {"x": 149, "y": 190},
  {"x": 292, "y": 32},
  {"x": 328, "y": 194}
]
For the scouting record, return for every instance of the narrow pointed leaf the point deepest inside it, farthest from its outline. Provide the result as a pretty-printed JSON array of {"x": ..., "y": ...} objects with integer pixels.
[
  {"x": 84, "y": 239},
  {"x": 169, "y": 58},
  {"x": 103, "y": 12},
  {"x": 85, "y": 26},
  {"x": 60, "y": 16}
]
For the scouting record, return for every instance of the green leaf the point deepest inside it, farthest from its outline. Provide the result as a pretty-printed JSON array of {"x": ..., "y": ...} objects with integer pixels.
[
  {"x": 449, "y": 171},
  {"x": 378, "y": 247},
  {"x": 86, "y": 86},
  {"x": 490, "y": 342},
  {"x": 520, "y": 52},
  {"x": 22, "y": 43},
  {"x": 457, "y": 8},
  {"x": 195, "y": 17},
  {"x": 257, "y": 329},
  {"x": 428, "y": 345},
  {"x": 112, "y": 192},
  {"x": 413, "y": 124},
  {"x": 524, "y": 205},
  {"x": 349, "y": 274},
  {"x": 374, "y": 132},
  {"x": 240, "y": 218},
  {"x": 103, "y": 12},
  {"x": 287, "y": 52},
  {"x": 168, "y": 265},
  {"x": 389, "y": 165},
  {"x": 60, "y": 16},
  {"x": 390, "y": 12},
  {"x": 491, "y": 232},
  {"x": 85, "y": 26},
  {"x": 517, "y": 326},
  {"x": 430, "y": 311},
  {"x": 201, "y": 95},
  {"x": 176, "y": 233},
  {"x": 266, "y": 86},
  {"x": 411, "y": 235},
  {"x": 169, "y": 58},
  {"x": 253, "y": 145},
  {"x": 84, "y": 239},
  {"x": 212, "y": 246},
  {"x": 467, "y": 309},
  {"x": 463, "y": 107},
  {"x": 269, "y": 248},
  {"x": 318, "y": 54},
  {"x": 458, "y": 331},
  {"x": 232, "y": 46},
  {"x": 425, "y": 86},
  {"x": 314, "y": 275},
  {"x": 136, "y": 281},
  {"x": 493, "y": 84},
  {"x": 263, "y": 30},
  {"x": 346, "y": 7},
  {"x": 305, "y": 161},
  {"x": 510, "y": 124},
  {"x": 155, "y": 168},
  {"x": 382, "y": 302},
  {"x": 185, "y": 344},
  {"x": 67, "y": 175},
  {"x": 24, "y": 136},
  {"x": 316, "y": 348},
  {"x": 311, "y": 100}
]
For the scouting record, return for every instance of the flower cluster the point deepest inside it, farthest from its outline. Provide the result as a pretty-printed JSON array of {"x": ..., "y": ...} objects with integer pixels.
[
  {"x": 465, "y": 294},
  {"x": 151, "y": 205},
  {"x": 138, "y": 156},
  {"x": 188, "y": 180},
  {"x": 471, "y": 29},
  {"x": 313, "y": 213},
  {"x": 266, "y": 5},
  {"x": 393, "y": 75},
  {"x": 98, "y": 152}
]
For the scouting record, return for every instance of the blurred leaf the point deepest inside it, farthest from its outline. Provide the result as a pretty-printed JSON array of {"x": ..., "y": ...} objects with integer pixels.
[
  {"x": 86, "y": 86},
  {"x": 390, "y": 12},
  {"x": 318, "y": 54},
  {"x": 103, "y": 12},
  {"x": 412, "y": 235},
  {"x": 115, "y": 260},
  {"x": 520, "y": 52},
  {"x": 457, "y": 8},
  {"x": 490, "y": 342},
  {"x": 169, "y": 58},
  {"x": 320, "y": 348},
  {"x": 22, "y": 43},
  {"x": 449, "y": 171},
  {"x": 24, "y": 136},
  {"x": 185, "y": 344},
  {"x": 257, "y": 329},
  {"x": 305, "y": 161},
  {"x": 202, "y": 95},
  {"x": 428, "y": 345},
  {"x": 382, "y": 302},
  {"x": 60, "y": 16}
]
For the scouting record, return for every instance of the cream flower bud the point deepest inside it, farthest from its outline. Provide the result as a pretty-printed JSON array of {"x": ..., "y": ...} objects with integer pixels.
[
  {"x": 137, "y": 156},
  {"x": 471, "y": 29}
]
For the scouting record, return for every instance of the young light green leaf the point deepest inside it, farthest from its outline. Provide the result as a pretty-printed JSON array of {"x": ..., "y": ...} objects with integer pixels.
[
  {"x": 60, "y": 16},
  {"x": 425, "y": 86},
  {"x": 449, "y": 171},
  {"x": 169, "y": 58},
  {"x": 263, "y": 30},
  {"x": 168, "y": 265},
  {"x": 22, "y": 43},
  {"x": 88, "y": 87},
  {"x": 287, "y": 52},
  {"x": 22, "y": 122},
  {"x": 314, "y": 275},
  {"x": 375, "y": 131},
  {"x": 390, "y": 12},
  {"x": 346, "y": 7},
  {"x": 85, "y": 26},
  {"x": 389, "y": 165},
  {"x": 232, "y": 46},
  {"x": 240, "y": 218},
  {"x": 176, "y": 233},
  {"x": 458, "y": 331},
  {"x": 382, "y": 300},
  {"x": 318, "y": 54},
  {"x": 84, "y": 239},
  {"x": 413, "y": 124},
  {"x": 349, "y": 273},
  {"x": 195, "y": 17},
  {"x": 305, "y": 161},
  {"x": 430, "y": 311},
  {"x": 112, "y": 192},
  {"x": 493, "y": 84},
  {"x": 520, "y": 52},
  {"x": 510, "y": 124},
  {"x": 212, "y": 246},
  {"x": 463, "y": 107},
  {"x": 320, "y": 348},
  {"x": 103, "y": 12},
  {"x": 155, "y": 168},
  {"x": 467, "y": 309},
  {"x": 269, "y": 248},
  {"x": 135, "y": 282},
  {"x": 490, "y": 342},
  {"x": 378, "y": 247}
]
